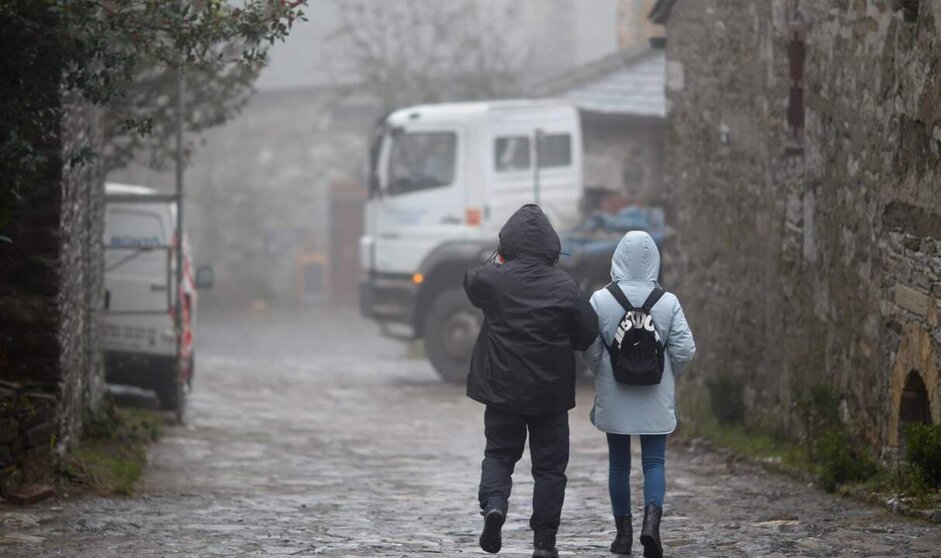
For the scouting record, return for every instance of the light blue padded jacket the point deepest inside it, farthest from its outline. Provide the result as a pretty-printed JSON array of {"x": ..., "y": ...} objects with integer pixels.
[{"x": 625, "y": 409}]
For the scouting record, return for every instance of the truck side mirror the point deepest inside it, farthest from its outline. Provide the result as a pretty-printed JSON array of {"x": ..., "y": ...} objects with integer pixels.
[{"x": 204, "y": 277}]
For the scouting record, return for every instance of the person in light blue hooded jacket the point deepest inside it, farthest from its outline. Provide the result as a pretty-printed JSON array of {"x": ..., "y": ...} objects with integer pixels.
[{"x": 623, "y": 410}]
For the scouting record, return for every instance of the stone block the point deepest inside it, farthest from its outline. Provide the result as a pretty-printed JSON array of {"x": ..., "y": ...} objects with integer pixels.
[
  {"x": 39, "y": 436},
  {"x": 9, "y": 429},
  {"x": 31, "y": 418},
  {"x": 912, "y": 300},
  {"x": 29, "y": 495},
  {"x": 7, "y": 394},
  {"x": 36, "y": 464},
  {"x": 13, "y": 386},
  {"x": 40, "y": 401}
]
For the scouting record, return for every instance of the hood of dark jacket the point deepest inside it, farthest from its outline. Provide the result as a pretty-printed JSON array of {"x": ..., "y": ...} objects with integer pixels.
[
  {"x": 636, "y": 258},
  {"x": 528, "y": 235}
]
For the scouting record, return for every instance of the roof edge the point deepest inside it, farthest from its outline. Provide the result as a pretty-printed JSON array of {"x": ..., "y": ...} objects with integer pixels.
[{"x": 592, "y": 71}]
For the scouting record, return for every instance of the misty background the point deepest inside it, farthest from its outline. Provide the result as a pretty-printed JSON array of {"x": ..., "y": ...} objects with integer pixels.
[{"x": 274, "y": 197}]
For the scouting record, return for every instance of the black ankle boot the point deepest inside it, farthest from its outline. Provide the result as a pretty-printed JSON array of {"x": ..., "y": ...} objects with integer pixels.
[
  {"x": 491, "y": 539},
  {"x": 625, "y": 538},
  {"x": 544, "y": 545},
  {"x": 650, "y": 534}
]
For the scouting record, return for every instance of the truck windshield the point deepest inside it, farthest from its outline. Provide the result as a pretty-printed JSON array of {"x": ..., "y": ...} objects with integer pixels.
[{"x": 421, "y": 160}]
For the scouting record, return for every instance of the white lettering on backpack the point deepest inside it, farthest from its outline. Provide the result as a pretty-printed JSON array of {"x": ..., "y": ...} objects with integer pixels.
[{"x": 635, "y": 319}]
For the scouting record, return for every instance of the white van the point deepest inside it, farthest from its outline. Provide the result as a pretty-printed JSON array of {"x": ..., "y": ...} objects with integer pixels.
[
  {"x": 443, "y": 180},
  {"x": 141, "y": 295}
]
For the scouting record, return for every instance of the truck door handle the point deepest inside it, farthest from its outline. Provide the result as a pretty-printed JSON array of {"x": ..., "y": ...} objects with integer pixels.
[
  {"x": 157, "y": 288},
  {"x": 390, "y": 236},
  {"x": 450, "y": 220}
]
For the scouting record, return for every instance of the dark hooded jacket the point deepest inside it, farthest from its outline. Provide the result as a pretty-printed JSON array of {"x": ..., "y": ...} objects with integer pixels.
[{"x": 535, "y": 318}]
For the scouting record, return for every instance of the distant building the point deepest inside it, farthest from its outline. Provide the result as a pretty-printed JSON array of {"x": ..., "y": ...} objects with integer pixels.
[
  {"x": 622, "y": 104},
  {"x": 259, "y": 193}
]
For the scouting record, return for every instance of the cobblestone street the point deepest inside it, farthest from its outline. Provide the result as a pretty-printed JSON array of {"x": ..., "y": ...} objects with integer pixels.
[{"x": 308, "y": 434}]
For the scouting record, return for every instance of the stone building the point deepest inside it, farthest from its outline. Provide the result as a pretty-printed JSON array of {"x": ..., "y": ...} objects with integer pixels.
[
  {"x": 620, "y": 97},
  {"x": 50, "y": 296},
  {"x": 803, "y": 159},
  {"x": 621, "y": 102}
]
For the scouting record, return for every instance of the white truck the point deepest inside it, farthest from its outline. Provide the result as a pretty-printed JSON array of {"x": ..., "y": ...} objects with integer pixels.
[{"x": 443, "y": 179}]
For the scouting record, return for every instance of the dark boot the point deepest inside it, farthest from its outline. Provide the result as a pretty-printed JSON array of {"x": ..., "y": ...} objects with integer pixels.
[
  {"x": 650, "y": 534},
  {"x": 625, "y": 538},
  {"x": 491, "y": 539},
  {"x": 544, "y": 545}
]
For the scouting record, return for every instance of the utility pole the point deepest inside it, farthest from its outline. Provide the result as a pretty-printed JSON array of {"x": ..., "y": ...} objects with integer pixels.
[
  {"x": 538, "y": 142},
  {"x": 178, "y": 307}
]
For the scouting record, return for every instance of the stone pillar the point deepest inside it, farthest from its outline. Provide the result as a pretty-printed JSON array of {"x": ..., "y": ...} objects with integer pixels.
[{"x": 50, "y": 294}]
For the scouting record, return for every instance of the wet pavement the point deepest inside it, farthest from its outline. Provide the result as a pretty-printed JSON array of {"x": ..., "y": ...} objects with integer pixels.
[{"x": 308, "y": 434}]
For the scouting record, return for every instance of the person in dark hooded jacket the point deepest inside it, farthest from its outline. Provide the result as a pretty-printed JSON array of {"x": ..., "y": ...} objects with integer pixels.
[{"x": 523, "y": 370}]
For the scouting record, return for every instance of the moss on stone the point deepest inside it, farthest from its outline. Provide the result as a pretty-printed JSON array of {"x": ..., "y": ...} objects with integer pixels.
[
  {"x": 924, "y": 453},
  {"x": 113, "y": 454}
]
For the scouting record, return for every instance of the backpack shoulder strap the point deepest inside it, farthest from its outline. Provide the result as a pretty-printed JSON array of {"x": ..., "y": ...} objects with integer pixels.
[
  {"x": 618, "y": 295},
  {"x": 654, "y": 297}
]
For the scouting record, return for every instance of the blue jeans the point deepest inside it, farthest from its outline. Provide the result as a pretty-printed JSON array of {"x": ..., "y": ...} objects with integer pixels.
[{"x": 653, "y": 458}]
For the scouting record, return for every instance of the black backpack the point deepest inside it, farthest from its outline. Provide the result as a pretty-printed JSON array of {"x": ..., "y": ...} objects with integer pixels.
[{"x": 636, "y": 351}]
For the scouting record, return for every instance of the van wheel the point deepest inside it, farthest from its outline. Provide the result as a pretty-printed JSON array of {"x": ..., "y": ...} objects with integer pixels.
[
  {"x": 172, "y": 393},
  {"x": 450, "y": 331}
]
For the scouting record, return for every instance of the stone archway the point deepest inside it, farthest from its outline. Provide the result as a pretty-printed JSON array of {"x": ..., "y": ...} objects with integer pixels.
[{"x": 916, "y": 385}]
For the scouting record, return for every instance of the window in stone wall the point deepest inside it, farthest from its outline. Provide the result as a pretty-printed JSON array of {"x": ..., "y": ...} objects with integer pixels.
[{"x": 796, "y": 52}]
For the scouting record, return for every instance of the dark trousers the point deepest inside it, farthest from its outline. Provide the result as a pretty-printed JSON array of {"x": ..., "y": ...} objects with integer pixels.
[{"x": 549, "y": 450}]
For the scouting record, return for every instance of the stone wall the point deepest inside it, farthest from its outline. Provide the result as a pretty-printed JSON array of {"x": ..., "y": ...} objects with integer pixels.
[
  {"x": 808, "y": 248},
  {"x": 50, "y": 293}
]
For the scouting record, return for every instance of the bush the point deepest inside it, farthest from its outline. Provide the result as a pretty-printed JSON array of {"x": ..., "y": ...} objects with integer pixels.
[
  {"x": 841, "y": 461},
  {"x": 817, "y": 407},
  {"x": 727, "y": 395},
  {"x": 924, "y": 451}
]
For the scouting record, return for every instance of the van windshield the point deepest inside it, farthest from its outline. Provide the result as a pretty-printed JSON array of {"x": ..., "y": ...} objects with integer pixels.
[
  {"x": 136, "y": 240},
  {"x": 421, "y": 160}
]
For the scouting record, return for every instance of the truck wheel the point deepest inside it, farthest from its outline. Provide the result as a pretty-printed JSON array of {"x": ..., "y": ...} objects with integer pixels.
[{"x": 450, "y": 331}]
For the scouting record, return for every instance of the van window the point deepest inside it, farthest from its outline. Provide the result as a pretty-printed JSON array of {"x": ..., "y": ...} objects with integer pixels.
[
  {"x": 511, "y": 154},
  {"x": 421, "y": 161},
  {"x": 555, "y": 150}
]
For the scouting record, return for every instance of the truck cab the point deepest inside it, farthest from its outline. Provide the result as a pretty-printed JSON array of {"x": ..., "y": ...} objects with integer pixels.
[{"x": 443, "y": 180}]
